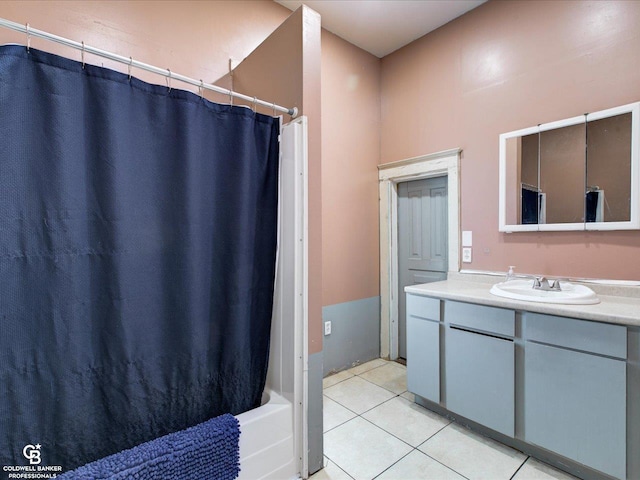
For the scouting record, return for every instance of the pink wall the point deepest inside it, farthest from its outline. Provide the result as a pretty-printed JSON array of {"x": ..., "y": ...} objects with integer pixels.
[
  {"x": 609, "y": 165},
  {"x": 290, "y": 59},
  {"x": 312, "y": 106},
  {"x": 350, "y": 154},
  {"x": 562, "y": 173},
  {"x": 504, "y": 66},
  {"x": 190, "y": 37}
]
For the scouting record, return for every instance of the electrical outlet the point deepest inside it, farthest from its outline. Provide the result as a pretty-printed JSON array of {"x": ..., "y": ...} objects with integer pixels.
[
  {"x": 327, "y": 328},
  {"x": 466, "y": 254}
]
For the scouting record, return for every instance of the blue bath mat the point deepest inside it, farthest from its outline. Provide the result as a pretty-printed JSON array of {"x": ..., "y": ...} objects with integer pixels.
[{"x": 210, "y": 451}]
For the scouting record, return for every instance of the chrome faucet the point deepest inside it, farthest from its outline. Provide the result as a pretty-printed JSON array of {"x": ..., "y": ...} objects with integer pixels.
[{"x": 542, "y": 283}]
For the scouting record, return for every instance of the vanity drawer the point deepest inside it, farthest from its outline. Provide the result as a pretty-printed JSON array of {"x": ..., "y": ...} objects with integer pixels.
[
  {"x": 575, "y": 404},
  {"x": 480, "y": 317},
  {"x": 423, "y": 307},
  {"x": 480, "y": 378},
  {"x": 592, "y": 337}
]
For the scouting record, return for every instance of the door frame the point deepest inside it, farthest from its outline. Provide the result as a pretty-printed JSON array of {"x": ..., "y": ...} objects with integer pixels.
[{"x": 390, "y": 174}]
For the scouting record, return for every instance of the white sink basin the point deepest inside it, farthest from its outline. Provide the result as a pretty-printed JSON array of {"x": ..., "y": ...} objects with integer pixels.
[{"x": 570, "y": 293}]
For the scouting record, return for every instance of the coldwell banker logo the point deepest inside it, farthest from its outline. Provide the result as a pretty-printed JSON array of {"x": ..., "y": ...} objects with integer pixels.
[{"x": 33, "y": 453}]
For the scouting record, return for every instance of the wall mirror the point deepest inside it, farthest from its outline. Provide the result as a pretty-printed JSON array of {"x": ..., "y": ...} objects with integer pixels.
[{"x": 580, "y": 173}]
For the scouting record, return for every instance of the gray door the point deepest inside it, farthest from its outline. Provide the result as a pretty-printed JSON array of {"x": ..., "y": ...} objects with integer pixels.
[{"x": 422, "y": 240}]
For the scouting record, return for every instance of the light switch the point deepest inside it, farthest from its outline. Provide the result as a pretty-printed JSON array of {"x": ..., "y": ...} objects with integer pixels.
[
  {"x": 466, "y": 255},
  {"x": 467, "y": 238}
]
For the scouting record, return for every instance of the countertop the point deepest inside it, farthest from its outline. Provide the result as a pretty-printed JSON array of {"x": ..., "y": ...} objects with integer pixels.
[{"x": 621, "y": 309}]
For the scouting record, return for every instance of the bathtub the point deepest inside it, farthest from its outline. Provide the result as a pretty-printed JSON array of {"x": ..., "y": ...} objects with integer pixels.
[{"x": 266, "y": 440}]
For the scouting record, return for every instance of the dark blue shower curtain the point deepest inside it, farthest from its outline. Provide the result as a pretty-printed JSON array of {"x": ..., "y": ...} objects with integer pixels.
[{"x": 137, "y": 258}]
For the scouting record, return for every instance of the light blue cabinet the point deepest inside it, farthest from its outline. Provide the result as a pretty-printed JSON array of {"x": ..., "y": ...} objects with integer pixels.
[
  {"x": 575, "y": 401},
  {"x": 480, "y": 364},
  {"x": 572, "y": 379},
  {"x": 423, "y": 347}
]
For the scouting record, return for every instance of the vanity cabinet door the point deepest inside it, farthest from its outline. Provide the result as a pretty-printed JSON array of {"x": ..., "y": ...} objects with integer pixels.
[
  {"x": 575, "y": 405},
  {"x": 480, "y": 378},
  {"x": 423, "y": 347}
]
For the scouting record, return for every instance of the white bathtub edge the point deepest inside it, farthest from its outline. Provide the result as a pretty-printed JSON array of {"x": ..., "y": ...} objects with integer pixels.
[{"x": 266, "y": 440}]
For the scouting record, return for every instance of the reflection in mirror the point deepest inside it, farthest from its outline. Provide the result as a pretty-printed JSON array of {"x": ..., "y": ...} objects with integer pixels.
[
  {"x": 608, "y": 192},
  {"x": 522, "y": 177},
  {"x": 562, "y": 174},
  {"x": 512, "y": 179},
  {"x": 532, "y": 199}
]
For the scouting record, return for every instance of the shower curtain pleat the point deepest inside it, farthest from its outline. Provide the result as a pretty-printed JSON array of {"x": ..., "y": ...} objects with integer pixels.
[{"x": 137, "y": 258}]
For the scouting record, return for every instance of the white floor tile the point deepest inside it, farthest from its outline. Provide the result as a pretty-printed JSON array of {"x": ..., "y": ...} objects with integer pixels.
[
  {"x": 407, "y": 421},
  {"x": 362, "y": 449},
  {"x": 535, "y": 470},
  {"x": 330, "y": 472},
  {"x": 472, "y": 455},
  {"x": 416, "y": 466},
  {"x": 391, "y": 376},
  {"x": 409, "y": 396},
  {"x": 336, "y": 378},
  {"x": 334, "y": 414},
  {"x": 378, "y": 362},
  {"x": 357, "y": 394}
]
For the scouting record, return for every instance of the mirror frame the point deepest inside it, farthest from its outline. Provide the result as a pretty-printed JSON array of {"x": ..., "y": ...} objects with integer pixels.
[{"x": 634, "y": 218}]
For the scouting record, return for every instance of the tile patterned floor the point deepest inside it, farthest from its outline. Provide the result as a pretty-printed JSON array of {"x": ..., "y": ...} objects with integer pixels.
[{"x": 372, "y": 429}]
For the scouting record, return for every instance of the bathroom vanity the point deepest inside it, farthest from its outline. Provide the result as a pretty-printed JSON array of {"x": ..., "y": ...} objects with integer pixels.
[{"x": 559, "y": 382}]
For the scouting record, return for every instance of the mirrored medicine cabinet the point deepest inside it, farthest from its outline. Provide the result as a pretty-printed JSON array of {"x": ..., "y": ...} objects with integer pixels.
[{"x": 581, "y": 173}]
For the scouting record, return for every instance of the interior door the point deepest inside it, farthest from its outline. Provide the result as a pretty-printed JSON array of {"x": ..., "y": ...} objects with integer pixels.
[{"x": 422, "y": 240}]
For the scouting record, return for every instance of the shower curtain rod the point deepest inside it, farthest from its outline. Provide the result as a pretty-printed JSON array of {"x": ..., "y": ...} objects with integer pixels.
[{"x": 142, "y": 66}]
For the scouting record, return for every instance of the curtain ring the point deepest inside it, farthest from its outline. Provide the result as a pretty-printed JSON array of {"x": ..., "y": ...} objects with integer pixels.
[
  {"x": 28, "y": 38},
  {"x": 255, "y": 105},
  {"x": 82, "y": 55},
  {"x": 130, "y": 65},
  {"x": 169, "y": 80},
  {"x": 274, "y": 109},
  {"x": 231, "y": 97},
  {"x": 201, "y": 88}
]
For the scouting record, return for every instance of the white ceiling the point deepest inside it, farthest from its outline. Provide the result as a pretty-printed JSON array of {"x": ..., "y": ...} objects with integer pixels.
[{"x": 383, "y": 26}]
